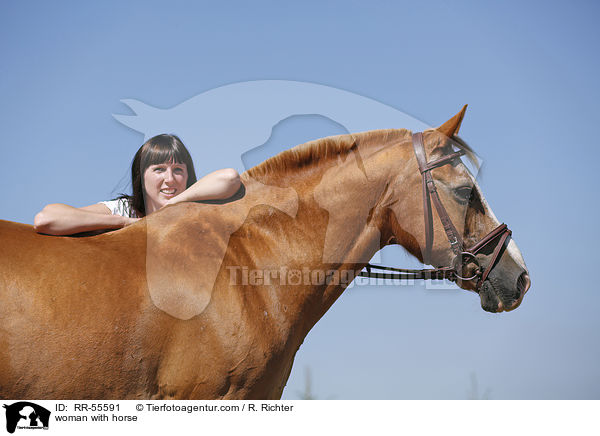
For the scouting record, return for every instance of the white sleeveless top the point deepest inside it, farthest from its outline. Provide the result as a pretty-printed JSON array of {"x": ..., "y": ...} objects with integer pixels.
[{"x": 121, "y": 207}]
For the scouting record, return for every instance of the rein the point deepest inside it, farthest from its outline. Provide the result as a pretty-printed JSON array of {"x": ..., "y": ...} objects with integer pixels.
[{"x": 462, "y": 256}]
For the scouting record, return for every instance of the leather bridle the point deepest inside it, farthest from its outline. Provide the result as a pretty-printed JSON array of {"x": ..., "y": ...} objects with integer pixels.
[{"x": 462, "y": 256}]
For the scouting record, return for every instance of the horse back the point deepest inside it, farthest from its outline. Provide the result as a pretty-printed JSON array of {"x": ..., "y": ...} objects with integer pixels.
[{"x": 59, "y": 273}]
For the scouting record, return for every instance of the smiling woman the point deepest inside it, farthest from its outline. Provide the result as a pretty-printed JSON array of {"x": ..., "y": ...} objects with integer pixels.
[
  {"x": 162, "y": 183},
  {"x": 162, "y": 173}
]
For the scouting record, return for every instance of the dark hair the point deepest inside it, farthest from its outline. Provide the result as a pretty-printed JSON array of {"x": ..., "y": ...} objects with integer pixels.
[{"x": 155, "y": 151}]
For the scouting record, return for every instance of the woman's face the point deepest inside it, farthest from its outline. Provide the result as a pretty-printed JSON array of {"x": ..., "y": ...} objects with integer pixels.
[{"x": 163, "y": 182}]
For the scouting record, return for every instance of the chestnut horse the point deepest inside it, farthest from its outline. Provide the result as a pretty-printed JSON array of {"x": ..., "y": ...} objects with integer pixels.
[{"x": 212, "y": 301}]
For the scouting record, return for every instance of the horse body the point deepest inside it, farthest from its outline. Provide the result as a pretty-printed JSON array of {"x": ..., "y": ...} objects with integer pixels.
[
  {"x": 78, "y": 319},
  {"x": 197, "y": 300}
]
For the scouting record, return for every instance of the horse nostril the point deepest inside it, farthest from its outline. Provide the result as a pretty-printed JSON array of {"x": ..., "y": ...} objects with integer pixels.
[{"x": 523, "y": 283}]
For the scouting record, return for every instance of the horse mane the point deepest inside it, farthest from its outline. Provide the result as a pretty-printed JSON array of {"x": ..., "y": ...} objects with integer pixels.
[{"x": 331, "y": 147}]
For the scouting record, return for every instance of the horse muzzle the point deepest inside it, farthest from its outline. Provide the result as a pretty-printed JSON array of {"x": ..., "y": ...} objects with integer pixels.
[{"x": 497, "y": 295}]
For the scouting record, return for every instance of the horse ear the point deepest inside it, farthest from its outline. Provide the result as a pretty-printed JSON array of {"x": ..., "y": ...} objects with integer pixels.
[{"x": 450, "y": 127}]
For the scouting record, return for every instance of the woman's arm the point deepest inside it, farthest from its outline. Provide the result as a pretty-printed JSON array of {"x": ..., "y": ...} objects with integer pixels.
[
  {"x": 62, "y": 219},
  {"x": 218, "y": 185}
]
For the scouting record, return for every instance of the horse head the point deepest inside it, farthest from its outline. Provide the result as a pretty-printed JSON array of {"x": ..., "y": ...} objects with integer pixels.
[{"x": 506, "y": 278}]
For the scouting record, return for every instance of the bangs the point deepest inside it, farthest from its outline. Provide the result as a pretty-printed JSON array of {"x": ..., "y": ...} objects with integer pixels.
[{"x": 158, "y": 154}]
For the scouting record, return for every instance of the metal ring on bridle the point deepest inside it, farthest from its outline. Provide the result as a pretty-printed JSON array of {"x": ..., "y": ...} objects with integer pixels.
[{"x": 473, "y": 259}]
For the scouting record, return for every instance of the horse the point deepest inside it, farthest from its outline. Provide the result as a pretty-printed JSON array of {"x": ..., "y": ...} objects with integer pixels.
[{"x": 212, "y": 301}]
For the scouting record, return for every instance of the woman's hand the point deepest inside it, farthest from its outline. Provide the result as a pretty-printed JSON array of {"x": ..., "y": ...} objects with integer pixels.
[{"x": 170, "y": 202}]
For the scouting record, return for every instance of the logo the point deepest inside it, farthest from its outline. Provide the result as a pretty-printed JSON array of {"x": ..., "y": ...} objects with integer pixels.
[
  {"x": 26, "y": 415},
  {"x": 239, "y": 125},
  {"x": 248, "y": 122}
]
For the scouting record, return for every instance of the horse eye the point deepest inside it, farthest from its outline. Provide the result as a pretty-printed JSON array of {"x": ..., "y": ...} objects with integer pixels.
[{"x": 463, "y": 193}]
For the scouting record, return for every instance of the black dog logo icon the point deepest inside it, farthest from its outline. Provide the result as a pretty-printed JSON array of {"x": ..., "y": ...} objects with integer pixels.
[{"x": 27, "y": 415}]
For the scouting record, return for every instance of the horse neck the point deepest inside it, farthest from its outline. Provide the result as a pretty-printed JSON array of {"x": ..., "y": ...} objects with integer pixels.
[{"x": 334, "y": 233}]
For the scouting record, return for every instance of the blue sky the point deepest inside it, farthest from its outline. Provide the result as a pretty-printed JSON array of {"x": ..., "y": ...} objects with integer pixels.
[{"x": 527, "y": 70}]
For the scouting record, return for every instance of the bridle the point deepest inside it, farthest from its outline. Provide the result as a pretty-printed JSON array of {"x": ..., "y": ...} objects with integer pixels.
[{"x": 462, "y": 256}]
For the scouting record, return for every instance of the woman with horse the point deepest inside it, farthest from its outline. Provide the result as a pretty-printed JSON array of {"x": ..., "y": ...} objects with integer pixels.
[
  {"x": 158, "y": 309},
  {"x": 162, "y": 173}
]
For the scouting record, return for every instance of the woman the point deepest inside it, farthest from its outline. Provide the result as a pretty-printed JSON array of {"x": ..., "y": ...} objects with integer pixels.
[{"x": 162, "y": 173}]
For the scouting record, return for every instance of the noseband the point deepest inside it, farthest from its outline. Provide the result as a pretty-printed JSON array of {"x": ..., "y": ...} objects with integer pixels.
[{"x": 462, "y": 256}]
